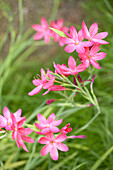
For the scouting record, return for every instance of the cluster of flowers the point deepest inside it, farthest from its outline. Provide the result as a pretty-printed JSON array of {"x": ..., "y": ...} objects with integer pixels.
[
  {"x": 48, "y": 128},
  {"x": 13, "y": 122},
  {"x": 87, "y": 51},
  {"x": 88, "y": 54}
]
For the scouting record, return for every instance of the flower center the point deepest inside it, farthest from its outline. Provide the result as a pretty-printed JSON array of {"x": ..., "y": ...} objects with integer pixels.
[{"x": 9, "y": 123}]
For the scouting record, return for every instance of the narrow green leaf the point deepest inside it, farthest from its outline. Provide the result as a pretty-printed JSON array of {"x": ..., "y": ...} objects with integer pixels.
[
  {"x": 64, "y": 161},
  {"x": 101, "y": 159},
  {"x": 62, "y": 34}
]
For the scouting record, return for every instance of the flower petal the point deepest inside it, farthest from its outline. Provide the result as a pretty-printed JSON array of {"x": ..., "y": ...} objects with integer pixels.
[
  {"x": 100, "y": 56},
  {"x": 3, "y": 121},
  {"x": 95, "y": 64},
  {"x": 43, "y": 140},
  {"x": 85, "y": 30},
  {"x": 93, "y": 29},
  {"x": 80, "y": 49},
  {"x": 57, "y": 122},
  {"x": 60, "y": 138},
  {"x": 27, "y": 139},
  {"x": 51, "y": 118},
  {"x": 54, "y": 153},
  {"x": 41, "y": 119},
  {"x": 37, "y": 27},
  {"x": 62, "y": 147},
  {"x": 45, "y": 150},
  {"x": 101, "y": 35},
  {"x": 71, "y": 63},
  {"x": 54, "y": 129},
  {"x": 38, "y": 36},
  {"x": 39, "y": 126},
  {"x": 35, "y": 91},
  {"x": 70, "y": 48}
]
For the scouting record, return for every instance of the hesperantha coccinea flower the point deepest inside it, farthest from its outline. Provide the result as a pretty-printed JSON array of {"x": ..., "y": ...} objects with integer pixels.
[
  {"x": 73, "y": 69},
  {"x": 75, "y": 41},
  {"x": 91, "y": 56},
  {"x": 6, "y": 121},
  {"x": 43, "y": 31},
  {"x": 13, "y": 123},
  {"x": 46, "y": 82},
  {"x": 53, "y": 141},
  {"x": 58, "y": 24},
  {"x": 92, "y": 34},
  {"x": 48, "y": 125}
]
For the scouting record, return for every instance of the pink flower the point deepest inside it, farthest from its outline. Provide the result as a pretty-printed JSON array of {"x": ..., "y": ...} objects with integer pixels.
[
  {"x": 46, "y": 82},
  {"x": 43, "y": 31},
  {"x": 52, "y": 144},
  {"x": 92, "y": 35},
  {"x": 75, "y": 41},
  {"x": 66, "y": 129},
  {"x": 21, "y": 133},
  {"x": 48, "y": 125},
  {"x": 59, "y": 26},
  {"x": 6, "y": 121},
  {"x": 73, "y": 70},
  {"x": 91, "y": 55}
]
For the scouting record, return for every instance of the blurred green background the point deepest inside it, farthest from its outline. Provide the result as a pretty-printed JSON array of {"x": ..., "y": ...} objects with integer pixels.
[{"x": 21, "y": 59}]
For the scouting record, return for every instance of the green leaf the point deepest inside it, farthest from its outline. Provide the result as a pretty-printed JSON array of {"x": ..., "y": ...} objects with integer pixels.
[
  {"x": 62, "y": 34},
  {"x": 31, "y": 127}
]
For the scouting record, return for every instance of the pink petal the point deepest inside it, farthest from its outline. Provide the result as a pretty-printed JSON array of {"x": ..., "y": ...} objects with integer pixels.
[
  {"x": 17, "y": 115},
  {"x": 80, "y": 49},
  {"x": 101, "y": 35},
  {"x": 85, "y": 31},
  {"x": 71, "y": 63},
  {"x": 54, "y": 153},
  {"x": 43, "y": 74},
  {"x": 43, "y": 140},
  {"x": 50, "y": 136},
  {"x": 95, "y": 64},
  {"x": 99, "y": 56},
  {"x": 54, "y": 129},
  {"x": 6, "y": 113},
  {"x": 80, "y": 35},
  {"x": 39, "y": 126},
  {"x": 41, "y": 119},
  {"x": 14, "y": 135},
  {"x": 36, "y": 82},
  {"x": 44, "y": 22},
  {"x": 60, "y": 138},
  {"x": 57, "y": 122},
  {"x": 51, "y": 118},
  {"x": 73, "y": 32},
  {"x": 27, "y": 139},
  {"x": 20, "y": 143},
  {"x": 38, "y": 36},
  {"x": 70, "y": 48},
  {"x": 98, "y": 41},
  {"x": 3, "y": 121},
  {"x": 93, "y": 29},
  {"x": 62, "y": 147},
  {"x": 86, "y": 43},
  {"x": 37, "y": 27},
  {"x": 60, "y": 23},
  {"x": 66, "y": 40},
  {"x": 35, "y": 91},
  {"x": 94, "y": 49},
  {"x": 25, "y": 131},
  {"x": 45, "y": 131},
  {"x": 21, "y": 122},
  {"x": 47, "y": 38},
  {"x": 45, "y": 150}
]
